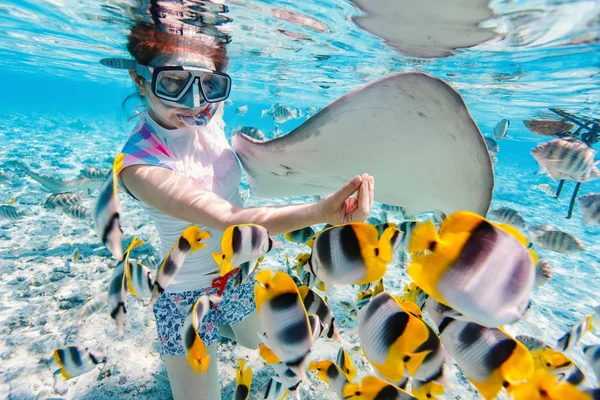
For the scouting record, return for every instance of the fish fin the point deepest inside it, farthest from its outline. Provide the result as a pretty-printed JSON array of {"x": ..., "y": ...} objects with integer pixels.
[
  {"x": 519, "y": 365},
  {"x": 134, "y": 243},
  {"x": 415, "y": 361},
  {"x": 267, "y": 354},
  {"x": 488, "y": 390},
  {"x": 288, "y": 236},
  {"x": 243, "y": 374},
  {"x": 321, "y": 286},
  {"x": 129, "y": 280},
  {"x": 410, "y": 307},
  {"x": 260, "y": 296},
  {"x": 224, "y": 267},
  {"x": 303, "y": 290},
  {"x": 423, "y": 237},
  {"x": 384, "y": 245},
  {"x": 310, "y": 242},
  {"x": 65, "y": 374}
]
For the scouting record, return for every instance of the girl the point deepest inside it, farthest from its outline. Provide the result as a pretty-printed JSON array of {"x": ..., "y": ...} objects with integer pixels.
[{"x": 180, "y": 167}]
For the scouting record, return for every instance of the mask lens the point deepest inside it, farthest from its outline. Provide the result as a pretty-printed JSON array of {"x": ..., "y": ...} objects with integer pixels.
[
  {"x": 215, "y": 87},
  {"x": 172, "y": 83}
]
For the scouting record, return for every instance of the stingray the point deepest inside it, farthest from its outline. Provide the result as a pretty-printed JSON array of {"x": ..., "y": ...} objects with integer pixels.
[
  {"x": 426, "y": 28},
  {"x": 411, "y": 131}
]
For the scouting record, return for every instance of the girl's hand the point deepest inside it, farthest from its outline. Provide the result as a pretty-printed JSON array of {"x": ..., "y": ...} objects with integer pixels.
[{"x": 340, "y": 208}]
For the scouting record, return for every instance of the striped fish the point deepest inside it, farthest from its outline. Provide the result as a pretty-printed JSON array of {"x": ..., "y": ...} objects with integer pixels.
[
  {"x": 426, "y": 390},
  {"x": 274, "y": 390},
  {"x": 188, "y": 242},
  {"x": 373, "y": 388},
  {"x": 139, "y": 280},
  {"x": 11, "y": 213},
  {"x": 65, "y": 199},
  {"x": 589, "y": 205},
  {"x": 252, "y": 132},
  {"x": 243, "y": 243},
  {"x": 284, "y": 319},
  {"x": 397, "y": 342},
  {"x": 314, "y": 304},
  {"x": 195, "y": 348},
  {"x": 345, "y": 363},
  {"x": 491, "y": 144},
  {"x": 559, "y": 365},
  {"x": 285, "y": 375},
  {"x": 282, "y": 114},
  {"x": 78, "y": 212},
  {"x": 550, "y": 238},
  {"x": 94, "y": 174},
  {"x": 331, "y": 374},
  {"x": 544, "y": 187},
  {"x": 74, "y": 361},
  {"x": 489, "y": 357},
  {"x": 480, "y": 269},
  {"x": 501, "y": 128},
  {"x": 506, "y": 215},
  {"x": 301, "y": 235},
  {"x": 531, "y": 342},
  {"x": 107, "y": 210},
  {"x": 117, "y": 289},
  {"x": 351, "y": 254},
  {"x": 543, "y": 272},
  {"x": 574, "y": 335},
  {"x": 243, "y": 381},
  {"x": 592, "y": 354},
  {"x": 567, "y": 158}
]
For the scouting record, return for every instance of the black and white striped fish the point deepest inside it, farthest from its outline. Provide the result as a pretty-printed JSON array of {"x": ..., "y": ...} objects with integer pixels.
[
  {"x": 314, "y": 304},
  {"x": 589, "y": 205},
  {"x": 65, "y": 199},
  {"x": 567, "y": 158},
  {"x": 11, "y": 213},
  {"x": 188, "y": 242},
  {"x": 94, "y": 174},
  {"x": 345, "y": 363},
  {"x": 592, "y": 354},
  {"x": 78, "y": 211},
  {"x": 74, "y": 361},
  {"x": 573, "y": 335},
  {"x": 254, "y": 133},
  {"x": 544, "y": 187},
  {"x": 543, "y": 272},
  {"x": 501, "y": 128},
  {"x": 107, "y": 210},
  {"x": 551, "y": 238},
  {"x": 332, "y": 374},
  {"x": 139, "y": 280},
  {"x": 506, "y": 215}
]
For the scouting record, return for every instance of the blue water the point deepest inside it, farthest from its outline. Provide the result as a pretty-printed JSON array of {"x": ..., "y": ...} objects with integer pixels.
[{"x": 61, "y": 112}]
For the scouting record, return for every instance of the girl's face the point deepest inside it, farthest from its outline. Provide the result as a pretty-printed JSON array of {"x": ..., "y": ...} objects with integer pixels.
[{"x": 169, "y": 117}]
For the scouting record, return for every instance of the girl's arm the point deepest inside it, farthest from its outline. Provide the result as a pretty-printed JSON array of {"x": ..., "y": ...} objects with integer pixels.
[{"x": 175, "y": 195}]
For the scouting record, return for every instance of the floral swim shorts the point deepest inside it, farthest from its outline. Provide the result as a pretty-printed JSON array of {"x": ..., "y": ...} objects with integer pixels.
[{"x": 171, "y": 309}]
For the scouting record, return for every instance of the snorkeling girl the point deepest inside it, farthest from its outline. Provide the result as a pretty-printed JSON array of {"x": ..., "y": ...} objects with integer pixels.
[{"x": 180, "y": 167}]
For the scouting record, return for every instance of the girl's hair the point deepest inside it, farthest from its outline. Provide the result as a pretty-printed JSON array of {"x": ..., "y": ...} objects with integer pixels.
[{"x": 145, "y": 42}]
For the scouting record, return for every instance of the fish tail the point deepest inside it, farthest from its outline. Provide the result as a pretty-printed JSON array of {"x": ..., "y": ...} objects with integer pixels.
[
  {"x": 423, "y": 237},
  {"x": 414, "y": 361},
  {"x": 244, "y": 375},
  {"x": 384, "y": 245},
  {"x": 268, "y": 355},
  {"x": 197, "y": 357},
  {"x": 288, "y": 236},
  {"x": 57, "y": 359},
  {"x": 590, "y": 325}
]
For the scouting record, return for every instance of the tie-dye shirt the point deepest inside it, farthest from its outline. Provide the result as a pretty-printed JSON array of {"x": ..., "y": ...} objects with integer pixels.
[{"x": 203, "y": 155}]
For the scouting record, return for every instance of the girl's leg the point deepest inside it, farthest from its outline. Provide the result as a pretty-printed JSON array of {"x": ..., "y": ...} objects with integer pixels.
[
  {"x": 185, "y": 384},
  {"x": 247, "y": 330}
]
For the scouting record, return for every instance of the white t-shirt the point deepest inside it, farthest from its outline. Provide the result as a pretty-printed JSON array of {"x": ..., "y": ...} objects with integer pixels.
[{"x": 203, "y": 155}]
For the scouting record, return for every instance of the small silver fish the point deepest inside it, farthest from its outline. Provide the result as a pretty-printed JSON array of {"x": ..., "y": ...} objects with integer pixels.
[
  {"x": 501, "y": 128},
  {"x": 550, "y": 238},
  {"x": 252, "y": 132},
  {"x": 94, "y": 174},
  {"x": 78, "y": 212},
  {"x": 506, "y": 215},
  {"x": 65, "y": 199},
  {"x": 282, "y": 114},
  {"x": 301, "y": 235},
  {"x": 567, "y": 158},
  {"x": 241, "y": 110},
  {"x": 574, "y": 335},
  {"x": 532, "y": 343},
  {"x": 491, "y": 144},
  {"x": 11, "y": 213},
  {"x": 589, "y": 205},
  {"x": 544, "y": 187},
  {"x": 543, "y": 272}
]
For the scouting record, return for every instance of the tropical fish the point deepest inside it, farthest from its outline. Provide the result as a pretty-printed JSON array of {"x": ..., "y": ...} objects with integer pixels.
[
  {"x": 139, "y": 280},
  {"x": 395, "y": 239},
  {"x": 531, "y": 342},
  {"x": 188, "y": 242},
  {"x": 426, "y": 390},
  {"x": 480, "y": 269},
  {"x": 11, "y": 213},
  {"x": 407, "y": 228},
  {"x": 543, "y": 385},
  {"x": 395, "y": 339},
  {"x": 501, "y": 128},
  {"x": 589, "y": 205},
  {"x": 117, "y": 288},
  {"x": 280, "y": 114},
  {"x": 414, "y": 294},
  {"x": 274, "y": 390},
  {"x": 228, "y": 102},
  {"x": 544, "y": 187},
  {"x": 94, "y": 174},
  {"x": 78, "y": 212},
  {"x": 284, "y": 319},
  {"x": 345, "y": 363},
  {"x": 241, "y": 110},
  {"x": 350, "y": 253},
  {"x": 107, "y": 210},
  {"x": 66, "y": 199},
  {"x": 285, "y": 375},
  {"x": 573, "y": 335},
  {"x": 592, "y": 354},
  {"x": 489, "y": 357},
  {"x": 543, "y": 272},
  {"x": 195, "y": 348},
  {"x": 5, "y": 177},
  {"x": 75, "y": 255},
  {"x": 506, "y": 215},
  {"x": 252, "y": 132},
  {"x": 331, "y": 374},
  {"x": 551, "y": 238},
  {"x": 567, "y": 158},
  {"x": 373, "y": 388},
  {"x": 491, "y": 144},
  {"x": 243, "y": 243},
  {"x": 559, "y": 365},
  {"x": 314, "y": 304},
  {"x": 243, "y": 381},
  {"x": 56, "y": 185},
  {"x": 392, "y": 208},
  {"x": 74, "y": 361},
  {"x": 311, "y": 281},
  {"x": 301, "y": 235}
]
